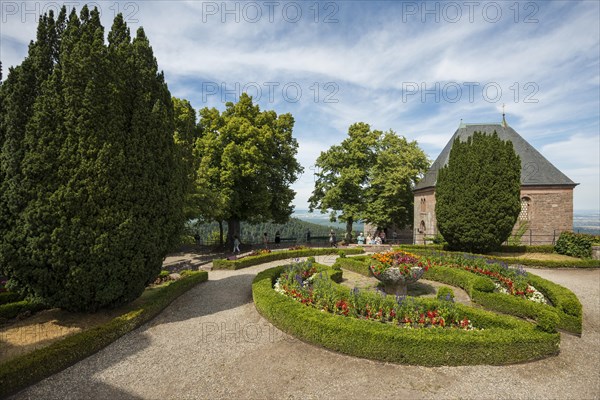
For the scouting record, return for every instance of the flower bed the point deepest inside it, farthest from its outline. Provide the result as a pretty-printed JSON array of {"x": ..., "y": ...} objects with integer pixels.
[
  {"x": 500, "y": 340},
  {"x": 303, "y": 282},
  {"x": 478, "y": 278},
  {"x": 280, "y": 255}
]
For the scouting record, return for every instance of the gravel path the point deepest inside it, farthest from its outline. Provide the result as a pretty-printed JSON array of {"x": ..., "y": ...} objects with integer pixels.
[{"x": 211, "y": 343}]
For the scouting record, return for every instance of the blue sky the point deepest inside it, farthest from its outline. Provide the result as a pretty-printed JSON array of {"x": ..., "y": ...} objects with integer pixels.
[{"x": 417, "y": 68}]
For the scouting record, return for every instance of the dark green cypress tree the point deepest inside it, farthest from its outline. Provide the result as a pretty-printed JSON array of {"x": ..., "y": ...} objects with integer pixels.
[
  {"x": 477, "y": 193},
  {"x": 101, "y": 189}
]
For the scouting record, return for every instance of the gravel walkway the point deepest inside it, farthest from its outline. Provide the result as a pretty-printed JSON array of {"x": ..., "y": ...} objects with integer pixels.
[{"x": 211, "y": 343}]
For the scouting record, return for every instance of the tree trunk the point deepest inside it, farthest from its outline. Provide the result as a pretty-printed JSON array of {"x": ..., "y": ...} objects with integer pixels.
[
  {"x": 233, "y": 229},
  {"x": 221, "y": 233},
  {"x": 348, "y": 236}
]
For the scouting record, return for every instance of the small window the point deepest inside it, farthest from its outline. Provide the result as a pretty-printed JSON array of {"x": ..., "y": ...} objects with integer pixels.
[
  {"x": 525, "y": 209},
  {"x": 423, "y": 205}
]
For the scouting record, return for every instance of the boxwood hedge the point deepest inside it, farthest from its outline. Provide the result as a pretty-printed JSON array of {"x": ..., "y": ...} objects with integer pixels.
[
  {"x": 566, "y": 313},
  {"x": 25, "y": 370},
  {"x": 504, "y": 339},
  {"x": 281, "y": 255}
]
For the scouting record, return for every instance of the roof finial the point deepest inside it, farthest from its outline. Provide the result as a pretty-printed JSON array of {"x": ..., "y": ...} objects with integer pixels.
[{"x": 504, "y": 124}]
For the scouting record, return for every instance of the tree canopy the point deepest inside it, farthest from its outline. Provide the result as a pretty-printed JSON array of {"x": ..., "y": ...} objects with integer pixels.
[
  {"x": 247, "y": 162},
  {"x": 369, "y": 176},
  {"x": 92, "y": 187},
  {"x": 478, "y": 193}
]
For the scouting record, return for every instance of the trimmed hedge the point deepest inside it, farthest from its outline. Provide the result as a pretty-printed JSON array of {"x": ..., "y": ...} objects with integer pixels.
[
  {"x": 530, "y": 262},
  {"x": 511, "y": 260},
  {"x": 566, "y": 313},
  {"x": 9, "y": 297},
  {"x": 14, "y": 309},
  {"x": 25, "y": 370},
  {"x": 281, "y": 255},
  {"x": 504, "y": 340},
  {"x": 542, "y": 248}
]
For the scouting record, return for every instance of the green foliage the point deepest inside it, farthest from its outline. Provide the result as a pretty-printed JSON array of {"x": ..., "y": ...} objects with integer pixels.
[
  {"x": 355, "y": 264},
  {"x": 25, "y": 370},
  {"x": 9, "y": 297},
  {"x": 185, "y": 136},
  {"x": 477, "y": 193},
  {"x": 279, "y": 255},
  {"x": 13, "y": 309},
  {"x": 445, "y": 293},
  {"x": 92, "y": 188},
  {"x": 504, "y": 340},
  {"x": 566, "y": 306},
  {"x": 575, "y": 244},
  {"x": 370, "y": 175},
  {"x": 515, "y": 240},
  {"x": 247, "y": 162}
]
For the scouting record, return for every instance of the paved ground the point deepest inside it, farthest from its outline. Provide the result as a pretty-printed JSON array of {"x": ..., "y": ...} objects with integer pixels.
[{"x": 211, "y": 343}]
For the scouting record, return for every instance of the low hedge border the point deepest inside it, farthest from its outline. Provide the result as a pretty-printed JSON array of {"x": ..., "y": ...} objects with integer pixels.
[
  {"x": 504, "y": 340},
  {"x": 566, "y": 313},
  {"x": 281, "y": 255},
  {"x": 20, "y": 372},
  {"x": 14, "y": 309},
  {"x": 529, "y": 262}
]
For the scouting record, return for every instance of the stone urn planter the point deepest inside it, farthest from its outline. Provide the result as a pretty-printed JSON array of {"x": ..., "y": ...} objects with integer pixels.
[{"x": 396, "y": 281}]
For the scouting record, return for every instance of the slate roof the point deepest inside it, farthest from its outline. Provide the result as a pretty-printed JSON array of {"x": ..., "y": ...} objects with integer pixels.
[{"x": 536, "y": 170}]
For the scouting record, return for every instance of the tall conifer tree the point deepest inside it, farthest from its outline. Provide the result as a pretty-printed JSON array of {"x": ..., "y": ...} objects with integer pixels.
[
  {"x": 477, "y": 193},
  {"x": 99, "y": 199}
]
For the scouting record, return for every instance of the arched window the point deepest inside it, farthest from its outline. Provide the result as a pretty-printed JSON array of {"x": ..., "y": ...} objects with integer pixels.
[
  {"x": 423, "y": 205},
  {"x": 422, "y": 227},
  {"x": 525, "y": 209}
]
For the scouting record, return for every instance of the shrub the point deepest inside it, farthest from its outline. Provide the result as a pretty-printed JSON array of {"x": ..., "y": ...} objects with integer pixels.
[
  {"x": 14, "y": 309},
  {"x": 504, "y": 339},
  {"x": 477, "y": 193},
  {"x": 575, "y": 244},
  {"x": 480, "y": 289},
  {"x": 92, "y": 184},
  {"x": 445, "y": 293}
]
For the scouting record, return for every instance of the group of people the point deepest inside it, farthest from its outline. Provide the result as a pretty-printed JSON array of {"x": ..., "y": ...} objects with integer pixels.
[{"x": 377, "y": 239}]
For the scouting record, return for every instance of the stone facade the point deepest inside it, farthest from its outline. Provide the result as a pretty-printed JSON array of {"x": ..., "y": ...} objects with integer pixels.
[
  {"x": 546, "y": 210},
  {"x": 425, "y": 223},
  {"x": 549, "y": 211}
]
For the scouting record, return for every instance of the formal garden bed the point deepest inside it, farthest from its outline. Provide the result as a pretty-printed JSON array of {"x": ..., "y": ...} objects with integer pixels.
[
  {"x": 497, "y": 287},
  {"x": 263, "y": 256},
  {"x": 305, "y": 301},
  {"x": 58, "y": 354},
  {"x": 543, "y": 256}
]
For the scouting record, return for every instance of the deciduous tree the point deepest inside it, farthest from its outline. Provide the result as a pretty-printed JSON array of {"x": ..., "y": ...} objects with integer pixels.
[{"x": 247, "y": 162}]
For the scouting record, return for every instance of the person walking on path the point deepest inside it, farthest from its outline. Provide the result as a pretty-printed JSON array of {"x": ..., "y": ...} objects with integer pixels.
[
  {"x": 236, "y": 244},
  {"x": 266, "y": 240},
  {"x": 277, "y": 238},
  {"x": 332, "y": 239}
]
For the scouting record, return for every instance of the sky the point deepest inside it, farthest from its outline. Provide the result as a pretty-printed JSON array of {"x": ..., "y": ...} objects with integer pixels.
[{"x": 417, "y": 68}]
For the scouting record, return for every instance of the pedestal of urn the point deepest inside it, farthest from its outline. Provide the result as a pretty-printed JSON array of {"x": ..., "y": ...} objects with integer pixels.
[{"x": 396, "y": 282}]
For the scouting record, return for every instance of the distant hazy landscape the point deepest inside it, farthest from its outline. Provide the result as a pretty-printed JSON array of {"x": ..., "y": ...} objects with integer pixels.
[
  {"x": 323, "y": 219},
  {"x": 584, "y": 221}
]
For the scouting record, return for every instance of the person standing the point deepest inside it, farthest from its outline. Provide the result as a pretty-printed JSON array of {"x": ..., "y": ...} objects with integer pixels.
[
  {"x": 277, "y": 238},
  {"x": 308, "y": 235},
  {"x": 332, "y": 239},
  {"x": 236, "y": 244},
  {"x": 266, "y": 240}
]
